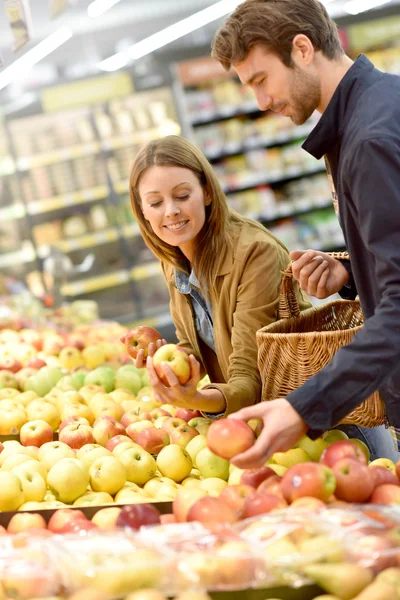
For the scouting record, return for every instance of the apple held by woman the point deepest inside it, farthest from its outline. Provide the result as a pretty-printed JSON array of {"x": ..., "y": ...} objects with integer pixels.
[
  {"x": 139, "y": 338},
  {"x": 178, "y": 361}
]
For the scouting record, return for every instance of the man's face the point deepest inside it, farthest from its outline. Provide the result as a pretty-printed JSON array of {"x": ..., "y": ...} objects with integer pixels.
[{"x": 293, "y": 92}]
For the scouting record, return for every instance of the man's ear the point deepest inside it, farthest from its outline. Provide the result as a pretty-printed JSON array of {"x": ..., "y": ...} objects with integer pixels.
[{"x": 302, "y": 50}]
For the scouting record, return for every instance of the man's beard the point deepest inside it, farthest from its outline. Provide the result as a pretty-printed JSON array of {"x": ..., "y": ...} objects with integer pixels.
[{"x": 305, "y": 95}]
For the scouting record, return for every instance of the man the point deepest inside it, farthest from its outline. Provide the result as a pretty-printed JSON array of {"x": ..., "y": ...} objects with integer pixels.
[{"x": 289, "y": 53}]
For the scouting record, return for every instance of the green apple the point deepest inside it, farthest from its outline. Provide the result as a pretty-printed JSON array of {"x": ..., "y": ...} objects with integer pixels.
[
  {"x": 211, "y": 465},
  {"x": 290, "y": 457},
  {"x": 107, "y": 474},
  {"x": 334, "y": 435},
  {"x": 145, "y": 378},
  {"x": 314, "y": 448},
  {"x": 68, "y": 479},
  {"x": 363, "y": 447},
  {"x": 140, "y": 466},
  {"x": 103, "y": 376},
  {"x": 43, "y": 381},
  {"x": 195, "y": 445},
  {"x": 174, "y": 462},
  {"x": 128, "y": 380}
]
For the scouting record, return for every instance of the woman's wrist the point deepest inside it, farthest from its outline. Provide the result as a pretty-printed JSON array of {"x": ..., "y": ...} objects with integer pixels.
[{"x": 210, "y": 400}]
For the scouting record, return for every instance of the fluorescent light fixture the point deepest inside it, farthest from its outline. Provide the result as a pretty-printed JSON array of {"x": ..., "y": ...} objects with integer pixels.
[
  {"x": 172, "y": 33},
  {"x": 357, "y": 6},
  {"x": 99, "y": 7},
  {"x": 34, "y": 55},
  {"x": 115, "y": 62}
]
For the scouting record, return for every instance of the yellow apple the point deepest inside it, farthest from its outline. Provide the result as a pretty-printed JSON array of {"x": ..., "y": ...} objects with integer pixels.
[
  {"x": 26, "y": 398},
  {"x": 195, "y": 445},
  {"x": 68, "y": 479},
  {"x": 384, "y": 462},
  {"x": 92, "y": 455},
  {"x": 290, "y": 458},
  {"x": 174, "y": 462},
  {"x": 44, "y": 411},
  {"x": 106, "y": 518},
  {"x": 211, "y": 465},
  {"x": 140, "y": 466},
  {"x": 170, "y": 409},
  {"x": 107, "y": 474},
  {"x": 94, "y": 499},
  {"x": 52, "y": 452},
  {"x": 33, "y": 485},
  {"x": 279, "y": 469},
  {"x": 120, "y": 448},
  {"x": 11, "y": 419},
  {"x": 14, "y": 460},
  {"x": 191, "y": 481},
  {"x": 213, "y": 486},
  {"x": 235, "y": 476},
  {"x": 131, "y": 496},
  {"x": 76, "y": 410},
  {"x": 166, "y": 492},
  {"x": 88, "y": 391},
  {"x": 11, "y": 492},
  {"x": 30, "y": 466}
]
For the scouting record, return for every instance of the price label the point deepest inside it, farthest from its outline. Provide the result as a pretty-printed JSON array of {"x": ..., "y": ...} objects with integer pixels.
[
  {"x": 19, "y": 17},
  {"x": 57, "y": 7}
]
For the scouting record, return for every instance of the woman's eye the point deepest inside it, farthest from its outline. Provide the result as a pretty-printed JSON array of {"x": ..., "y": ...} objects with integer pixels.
[
  {"x": 155, "y": 204},
  {"x": 183, "y": 197}
]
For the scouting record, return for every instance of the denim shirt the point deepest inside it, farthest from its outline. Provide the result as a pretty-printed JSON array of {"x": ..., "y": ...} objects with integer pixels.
[{"x": 189, "y": 285}]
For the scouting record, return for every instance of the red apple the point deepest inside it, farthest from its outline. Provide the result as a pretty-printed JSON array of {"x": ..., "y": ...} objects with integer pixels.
[
  {"x": 35, "y": 433},
  {"x": 118, "y": 439},
  {"x": 73, "y": 420},
  {"x": 23, "y": 521},
  {"x": 375, "y": 550},
  {"x": 184, "y": 500},
  {"x": 78, "y": 526},
  {"x": 153, "y": 440},
  {"x": 262, "y": 503},
  {"x": 3, "y": 530},
  {"x": 381, "y": 475},
  {"x": 186, "y": 414},
  {"x": 182, "y": 435},
  {"x": 272, "y": 485},
  {"x": 172, "y": 423},
  {"x": 386, "y": 494},
  {"x": 342, "y": 449},
  {"x": 235, "y": 496},
  {"x": 210, "y": 510},
  {"x": 36, "y": 363},
  {"x": 309, "y": 504},
  {"x": 354, "y": 482},
  {"x": 106, "y": 427},
  {"x": 138, "y": 515},
  {"x": 63, "y": 516},
  {"x": 76, "y": 435},
  {"x": 132, "y": 416},
  {"x": 255, "y": 477},
  {"x": 167, "y": 518},
  {"x": 178, "y": 361},
  {"x": 308, "y": 479},
  {"x": 155, "y": 413},
  {"x": 10, "y": 364},
  {"x": 229, "y": 437},
  {"x": 139, "y": 338}
]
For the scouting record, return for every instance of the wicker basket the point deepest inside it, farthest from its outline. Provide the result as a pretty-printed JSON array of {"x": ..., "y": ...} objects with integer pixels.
[{"x": 293, "y": 349}]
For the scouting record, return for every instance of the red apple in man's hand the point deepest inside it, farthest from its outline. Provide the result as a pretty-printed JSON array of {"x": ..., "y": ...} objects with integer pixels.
[
  {"x": 63, "y": 516},
  {"x": 308, "y": 479},
  {"x": 386, "y": 494},
  {"x": 139, "y": 338},
  {"x": 262, "y": 503},
  {"x": 211, "y": 510},
  {"x": 229, "y": 437},
  {"x": 342, "y": 449},
  {"x": 138, "y": 515},
  {"x": 235, "y": 496},
  {"x": 186, "y": 414},
  {"x": 178, "y": 361},
  {"x": 354, "y": 482},
  {"x": 381, "y": 475},
  {"x": 255, "y": 477},
  {"x": 153, "y": 440}
]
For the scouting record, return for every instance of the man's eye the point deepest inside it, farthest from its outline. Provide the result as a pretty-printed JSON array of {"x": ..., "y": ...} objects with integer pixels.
[{"x": 261, "y": 81}]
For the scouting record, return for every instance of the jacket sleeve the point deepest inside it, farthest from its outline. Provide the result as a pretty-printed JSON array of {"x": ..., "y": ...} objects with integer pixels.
[
  {"x": 256, "y": 306},
  {"x": 360, "y": 368},
  {"x": 348, "y": 291}
]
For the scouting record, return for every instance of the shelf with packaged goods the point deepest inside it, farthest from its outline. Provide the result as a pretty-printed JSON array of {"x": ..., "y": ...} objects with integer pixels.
[
  {"x": 238, "y": 148},
  {"x": 291, "y": 213},
  {"x": 109, "y": 280},
  {"x": 224, "y": 113},
  {"x": 37, "y": 207},
  {"x": 260, "y": 179},
  {"x": 10, "y": 213},
  {"x": 23, "y": 256}
]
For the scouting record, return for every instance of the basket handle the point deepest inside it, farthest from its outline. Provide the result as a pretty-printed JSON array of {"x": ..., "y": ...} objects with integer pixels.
[{"x": 288, "y": 306}]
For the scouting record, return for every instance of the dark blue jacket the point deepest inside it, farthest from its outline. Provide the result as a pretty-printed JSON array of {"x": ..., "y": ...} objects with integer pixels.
[{"x": 359, "y": 134}]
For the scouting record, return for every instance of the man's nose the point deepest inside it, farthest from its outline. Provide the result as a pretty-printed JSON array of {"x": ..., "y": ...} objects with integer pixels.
[{"x": 264, "y": 101}]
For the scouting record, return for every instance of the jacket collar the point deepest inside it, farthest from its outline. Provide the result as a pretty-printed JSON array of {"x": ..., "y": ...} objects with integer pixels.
[{"x": 332, "y": 124}]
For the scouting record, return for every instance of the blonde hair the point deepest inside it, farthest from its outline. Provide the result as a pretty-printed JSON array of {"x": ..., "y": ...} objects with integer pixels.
[{"x": 215, "y": 236}]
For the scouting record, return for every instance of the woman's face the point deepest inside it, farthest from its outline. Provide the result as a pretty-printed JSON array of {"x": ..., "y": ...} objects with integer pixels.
[{"x": 173, "y": 202}]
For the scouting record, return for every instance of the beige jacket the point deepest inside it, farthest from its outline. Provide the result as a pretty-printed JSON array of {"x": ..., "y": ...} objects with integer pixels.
[{"x": 248, "y": 289}]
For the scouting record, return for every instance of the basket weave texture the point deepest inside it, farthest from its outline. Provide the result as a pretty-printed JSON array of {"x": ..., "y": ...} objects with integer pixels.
[{"x": 296, "y": 347}]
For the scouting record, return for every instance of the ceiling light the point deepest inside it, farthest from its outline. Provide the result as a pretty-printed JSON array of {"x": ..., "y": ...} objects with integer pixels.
[
  {"x": 99, "y": 7},
  {"x": 173, "y": 32},
  {"x": 34, "y": 55},
  {"x": 357, "y": 6}
]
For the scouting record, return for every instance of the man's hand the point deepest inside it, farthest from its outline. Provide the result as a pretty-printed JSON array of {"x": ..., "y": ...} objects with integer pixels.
[
  {"x": 282, "y": 429},
  {"x": 318, "y": 274}
]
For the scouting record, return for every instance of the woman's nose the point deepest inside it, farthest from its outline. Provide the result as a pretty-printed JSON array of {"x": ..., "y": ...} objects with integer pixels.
[{"x": 172, "y": 209}]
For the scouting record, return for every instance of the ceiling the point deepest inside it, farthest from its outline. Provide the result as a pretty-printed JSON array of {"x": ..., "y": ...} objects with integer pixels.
[{"x": 96, "y": 39}]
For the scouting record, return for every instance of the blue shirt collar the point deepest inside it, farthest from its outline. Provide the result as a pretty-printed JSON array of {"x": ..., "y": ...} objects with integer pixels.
[{"x": 184, "y": 282}]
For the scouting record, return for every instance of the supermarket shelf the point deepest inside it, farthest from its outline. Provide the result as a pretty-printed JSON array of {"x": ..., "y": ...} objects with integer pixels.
[
  {"x": 7, "y": 166},
  {"x": 259, "y": 179},
  {"x": 25, "y": 163},
  {"x": 101, "y": 282},
  {"x": 24, "y": 256},
  {"x": 9, "y": 213},
  {"x": 56, "y": 202},
  {"x": 225, "y": 113},
  {"x": 122, "y": 187},
  {"x": 301, "y": 211},
  {"x": 238, "y": 148},
  {"x": 160, "y": 320}
]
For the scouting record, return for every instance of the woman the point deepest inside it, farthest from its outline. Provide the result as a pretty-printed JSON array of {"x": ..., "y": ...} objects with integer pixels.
[{"x": 223, "y": 273}]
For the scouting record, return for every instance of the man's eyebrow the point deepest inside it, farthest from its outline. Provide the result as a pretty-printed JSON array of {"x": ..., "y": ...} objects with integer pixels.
[{"x": 253, "y": 77}]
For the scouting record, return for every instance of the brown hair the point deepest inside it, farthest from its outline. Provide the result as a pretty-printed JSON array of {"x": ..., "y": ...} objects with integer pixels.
[
  {"x": 274, "y": 24},
  {"x": 215, "y": 236}
]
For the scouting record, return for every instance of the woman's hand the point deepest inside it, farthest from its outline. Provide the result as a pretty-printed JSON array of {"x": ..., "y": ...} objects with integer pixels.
[
  {"x": 182, "y": 396},
  {"x": 151, "y": 349},
  {"x": 319, "y": 274}
]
